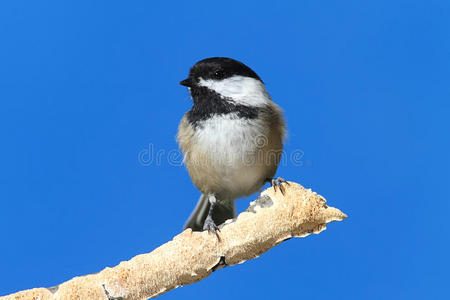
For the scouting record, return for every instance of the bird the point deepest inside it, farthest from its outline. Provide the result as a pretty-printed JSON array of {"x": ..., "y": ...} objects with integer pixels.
[{"x": 231, "y": 138}]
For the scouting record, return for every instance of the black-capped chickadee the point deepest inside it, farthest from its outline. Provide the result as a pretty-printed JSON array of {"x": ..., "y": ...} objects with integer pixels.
[{"x": 232, "y": 138}]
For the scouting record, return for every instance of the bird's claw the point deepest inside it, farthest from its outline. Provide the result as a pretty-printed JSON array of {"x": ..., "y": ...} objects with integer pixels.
[
  {"x": 278, "y": 183},
  {"x": 211, "y": 227}
]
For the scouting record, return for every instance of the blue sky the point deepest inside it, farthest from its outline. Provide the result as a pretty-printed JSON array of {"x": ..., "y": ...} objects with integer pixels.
[{"x": 85, "y": 86}]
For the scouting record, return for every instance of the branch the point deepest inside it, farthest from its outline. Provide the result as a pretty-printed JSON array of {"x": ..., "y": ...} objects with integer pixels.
[{"x": 192, "y": 256}]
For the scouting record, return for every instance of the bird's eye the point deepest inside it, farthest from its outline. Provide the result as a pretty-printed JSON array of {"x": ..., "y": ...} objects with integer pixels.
[{"x": 219, "y": 74}]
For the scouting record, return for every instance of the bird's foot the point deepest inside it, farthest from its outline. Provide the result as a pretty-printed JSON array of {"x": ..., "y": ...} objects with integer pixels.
[
  {"x": 278, "y": 183},
  {"x": 211, "y": 227}
]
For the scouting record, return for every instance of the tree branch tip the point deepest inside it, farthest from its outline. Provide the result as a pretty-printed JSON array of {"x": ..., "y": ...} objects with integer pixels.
[{"x": 190, "y": 256}]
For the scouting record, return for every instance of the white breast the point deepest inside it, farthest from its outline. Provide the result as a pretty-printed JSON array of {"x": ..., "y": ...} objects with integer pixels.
[
  {"x": 229, "y": 136},
  {"x": 232, "y": 143}
]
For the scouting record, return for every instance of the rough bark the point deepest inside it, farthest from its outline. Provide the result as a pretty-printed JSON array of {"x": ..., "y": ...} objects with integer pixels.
[{"x": 191, "y": 256}]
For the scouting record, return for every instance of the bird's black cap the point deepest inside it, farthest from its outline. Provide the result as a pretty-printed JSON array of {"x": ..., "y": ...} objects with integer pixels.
[{"x": 217, "y": 68}]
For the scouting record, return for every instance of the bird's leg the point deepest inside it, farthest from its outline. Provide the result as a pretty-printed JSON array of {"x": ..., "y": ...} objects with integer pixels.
[
  {"x": 277, "y": 182},
  {"x": 209, "y": 222}
]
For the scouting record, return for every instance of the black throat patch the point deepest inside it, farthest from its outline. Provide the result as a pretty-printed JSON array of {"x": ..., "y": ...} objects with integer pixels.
[{"x": 208, "y": 103}]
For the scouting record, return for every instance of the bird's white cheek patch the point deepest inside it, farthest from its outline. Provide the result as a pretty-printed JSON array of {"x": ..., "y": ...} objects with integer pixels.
[{"x": 242, "y": 90}]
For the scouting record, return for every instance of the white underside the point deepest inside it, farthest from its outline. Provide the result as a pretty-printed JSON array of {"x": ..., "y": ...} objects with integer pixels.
[{"x": 233, "y": 143}]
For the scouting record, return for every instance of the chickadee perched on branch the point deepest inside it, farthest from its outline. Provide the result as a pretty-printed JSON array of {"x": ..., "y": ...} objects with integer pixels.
[{"x": 232, "y": 138}]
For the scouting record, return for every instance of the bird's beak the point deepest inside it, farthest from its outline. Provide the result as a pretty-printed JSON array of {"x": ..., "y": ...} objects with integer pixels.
[{"x": 187, "y": 82}]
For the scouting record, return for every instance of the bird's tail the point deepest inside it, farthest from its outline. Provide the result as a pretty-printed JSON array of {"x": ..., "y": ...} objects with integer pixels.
[{"x": 223, "y": 210}]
